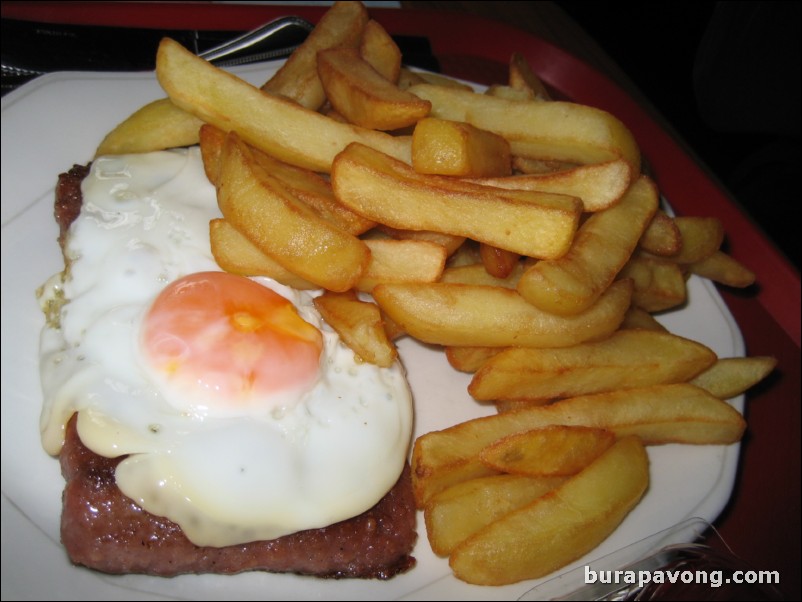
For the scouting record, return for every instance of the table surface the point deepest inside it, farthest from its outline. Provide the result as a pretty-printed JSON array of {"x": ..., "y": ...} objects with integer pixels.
[{"x": 761, "y": 524}]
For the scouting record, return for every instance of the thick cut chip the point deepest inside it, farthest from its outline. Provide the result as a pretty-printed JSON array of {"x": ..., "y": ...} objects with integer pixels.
[
  {"x": 662, "y": 236},
  {"x": 297, "y": 80},
  {"x": 402, "y": 261},
  {"x": 558, "y": 451},
  {"x": 363, "y": 96},
  {"x": 305, "y": 185},
  {"x": 659, "y": 283},
  {"x": 599, "y": 186},
  {"x": 476, "y": 273},
  {"x": 262, "y": 209},
  {"x": 628, "y": 358},
  {"x": 380, "y": 51},
  {"x": 158, "y": 125},
  {"x": 486, "y": 316},
  {"x": 561, "y": 131},
  {"x": 559, "y": 527},
  {"x": 235, "y": 253},
  {"x": 523, "y": 77},
  {"x": 676, "y": 413},
  {"x": 388, "y": 191},
  {"x": 732, "y": 376},
  {"x": 275, "y": 125},
  {"x": 701, "y": 237},
  {"x": 452, "y": 148},
  {"x": 460, "y": 511},
  {"x": 724, "y": 269},
  {"x": 602, "y": 246},
  {"x": 359, "y": 324},
  {"x": 469, "y": 359}
]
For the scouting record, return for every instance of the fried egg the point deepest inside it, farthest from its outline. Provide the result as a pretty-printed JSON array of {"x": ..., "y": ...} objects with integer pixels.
[{"x": 241, "y": 414}]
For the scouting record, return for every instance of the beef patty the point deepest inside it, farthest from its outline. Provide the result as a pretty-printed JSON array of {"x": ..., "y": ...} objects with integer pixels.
[{"x": 104, "y": 530}]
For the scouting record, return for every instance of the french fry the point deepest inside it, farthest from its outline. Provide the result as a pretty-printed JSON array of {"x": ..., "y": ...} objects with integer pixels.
[
  {"x": 235, "y": 253},
  {"x": 662, "y": 236},
  {"x": 360, "y": 325},
  {"x": 637, "y": 318},
  {"x": 602, "y": 246},
  {"x": 553, "y": 451},
  {"x": 363, "y": 96},
  {"x": 297, "y": 80},
  {"x": 402, "y": 261},
  {"x": 451, "y": 148},
  {"x": 461, "y": 314},
  {"x": 499, "y": 263},
  {"x": 527, "y": 165},
  {"x": 158, "y": 125},
  {"x": 469, "y": 359},
  {"x": 599, "y": 186},
  {"x": 510, "y": 93},
  {"x": 558, "y": 131},
  {"x": 258, "y": 206},
  {"x": 386, "y": 190},
  {"x": 275, "y": 125},
  {"x": 732, "y": 376},
  {"x": 701, "y": 237},
  {"x": 675, "y": 413},
  {"x": 380, "y": 51},
  {"x": 628, "y": 358},
  {"x": 659, "y": 284},
  {"x": 522, "y": 77},
  {"x": 559, "y": 527},
  {"x": 724, "y": 269},
  {"x": 450, "y": 242},
  {"x": 458, "y": 512},
  {"x": 477, "y": 273},
  {"x": 305, "y": 185}
]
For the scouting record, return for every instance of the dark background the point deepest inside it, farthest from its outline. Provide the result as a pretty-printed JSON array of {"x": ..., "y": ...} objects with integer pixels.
[{"x": 727, "y": 76}]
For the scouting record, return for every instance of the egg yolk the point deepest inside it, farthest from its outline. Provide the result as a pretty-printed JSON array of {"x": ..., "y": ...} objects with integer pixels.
[{"x": 227, "y": 344}]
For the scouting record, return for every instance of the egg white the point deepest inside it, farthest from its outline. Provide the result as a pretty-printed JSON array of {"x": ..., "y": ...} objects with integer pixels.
[{"x": 325, "y": 456}]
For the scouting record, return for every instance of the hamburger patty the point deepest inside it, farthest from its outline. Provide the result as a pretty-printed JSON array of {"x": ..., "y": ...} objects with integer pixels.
[{"x": 103, "y": 529}]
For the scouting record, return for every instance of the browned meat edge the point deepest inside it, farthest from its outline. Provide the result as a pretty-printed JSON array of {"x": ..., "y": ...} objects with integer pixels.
[{"x": 104, "y": 530}]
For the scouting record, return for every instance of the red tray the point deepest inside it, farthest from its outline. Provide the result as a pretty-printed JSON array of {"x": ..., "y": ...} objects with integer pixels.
[{"x": 762, "y": 520}]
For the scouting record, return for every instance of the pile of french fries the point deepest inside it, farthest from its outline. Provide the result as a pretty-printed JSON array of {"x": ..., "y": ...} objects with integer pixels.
[{"x": 515, "y": 231}]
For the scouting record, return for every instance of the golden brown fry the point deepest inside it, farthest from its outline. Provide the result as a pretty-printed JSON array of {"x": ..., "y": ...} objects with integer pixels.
[
  {"x": 477, "y": 273},
  {"x": 732, "y": 376},
  {"x": 305, "y": 185},
  {"x": 158, "y": 125},
  {"x": 662, "y": 236},
  {"x": 499, "y": 263},
  {"x": 469, "y": 359},
  {"x": 637, "y": 318},
  {"x": 676, "y": 413},
  {"x": 724, "y": 269},
  {"x": 275, "y": 125},
  {"x": 553, "y": 451},
  {"x": 558, "y": 528},
  {"x": 523, "y": 77},
  {"x": 628, "y": 358},
  {"x": 599, "y": 186},
  {"x": 461, "y": 314},
  {"x": 701, "y": 237},
  {"x": 297, "y": 80},
  {"x": 453, "y": 148},
  {"x": 235, "y": 253},
  {"x": 559, "y": 131},
  {"x": 359, "y": 324},
  {"x": 602, "y": 246},
  {"x": 386, "y": 190},
  {"x": 363, "y": 96},
  {"x": 402, "y": 261},
  {"x": 380, "y": 51},
  {"x": 659, "y": 284},
  {"x": 460, "y": 511},
  {"x": 261, "y": 208}
]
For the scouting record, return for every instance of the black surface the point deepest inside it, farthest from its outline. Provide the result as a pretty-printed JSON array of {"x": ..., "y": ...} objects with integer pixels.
[{"x": 727, "y": 76}]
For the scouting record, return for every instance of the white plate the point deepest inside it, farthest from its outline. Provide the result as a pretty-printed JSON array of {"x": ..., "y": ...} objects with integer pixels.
[{"x": 58, "y": 120}]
